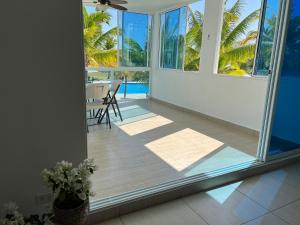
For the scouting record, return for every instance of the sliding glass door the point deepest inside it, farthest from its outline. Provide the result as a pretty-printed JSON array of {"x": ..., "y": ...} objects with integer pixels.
[
  {"x": 282, "y": 120},
  {"x": 267, "y": 36},
  {"x": 285, "y": 135}
]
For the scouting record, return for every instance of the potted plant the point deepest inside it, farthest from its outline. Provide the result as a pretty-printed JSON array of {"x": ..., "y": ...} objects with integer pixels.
[
  {"x": 71, "y": 188},
  {"x": 12, "y": 216}
]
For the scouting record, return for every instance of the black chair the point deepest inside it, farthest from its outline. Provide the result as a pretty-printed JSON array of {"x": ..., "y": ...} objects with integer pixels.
[
  {"x": 97, "y": 99},
  {"x": 110, "y": 100},
  {"x": 115, "y": 87}
]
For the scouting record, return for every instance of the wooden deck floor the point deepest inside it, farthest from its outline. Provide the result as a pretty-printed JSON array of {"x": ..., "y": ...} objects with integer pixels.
[{"x": 156, "y": 143}]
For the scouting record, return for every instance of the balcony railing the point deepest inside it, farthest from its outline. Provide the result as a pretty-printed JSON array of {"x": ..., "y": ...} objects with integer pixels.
[{"x": 136, "y": 81}]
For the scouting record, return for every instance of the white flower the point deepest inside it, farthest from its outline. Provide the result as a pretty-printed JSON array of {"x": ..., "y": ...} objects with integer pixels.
[
  {"x": 67, "y": 181},
  {"x": 15, "y": 217}
]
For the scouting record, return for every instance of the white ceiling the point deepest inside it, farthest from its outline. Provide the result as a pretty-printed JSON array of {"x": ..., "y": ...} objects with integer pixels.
[{"x": 151, "y": 5}]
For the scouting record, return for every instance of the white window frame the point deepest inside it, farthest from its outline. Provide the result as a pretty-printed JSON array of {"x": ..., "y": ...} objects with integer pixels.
[
  {"x": 184, "y": 45},
  {"x": 256, "y": 47},
  {"x": 160, "y": 38},
  {"x": 119, "y": 66},
  {"x": 263, "y": 7},
  {"x": 149, "y": 37}
]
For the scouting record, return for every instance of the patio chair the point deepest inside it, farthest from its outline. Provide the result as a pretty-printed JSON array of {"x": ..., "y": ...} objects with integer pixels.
[
  {"x": 115, "y": 86},
  {"x": 97, "y": 99}
]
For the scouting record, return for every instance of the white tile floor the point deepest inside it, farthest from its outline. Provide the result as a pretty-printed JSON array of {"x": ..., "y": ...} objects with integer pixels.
[
  {"x": 146, "y": 149},
  {"x": 269, "y": 199}
]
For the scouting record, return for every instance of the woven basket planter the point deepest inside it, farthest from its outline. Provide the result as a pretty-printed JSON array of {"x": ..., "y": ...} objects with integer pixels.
[{"x": 76, "y": 216}]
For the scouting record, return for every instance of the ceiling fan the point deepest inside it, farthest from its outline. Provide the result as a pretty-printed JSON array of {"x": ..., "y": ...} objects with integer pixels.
[{"x": 102, "y": 5}]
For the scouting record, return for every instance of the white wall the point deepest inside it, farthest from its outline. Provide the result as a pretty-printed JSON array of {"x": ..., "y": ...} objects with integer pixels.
[
  {"x": 41, "y": 94},
  {"x": 239, "y": 100}
]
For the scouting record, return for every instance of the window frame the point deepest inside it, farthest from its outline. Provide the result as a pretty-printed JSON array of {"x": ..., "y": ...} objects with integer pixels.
[
  {"x": 186, "y": 29},
  {"x": 262, "y": 15},
  {"x": 260, "y": 25},
  {"x": 160, "y": 13},
  {"x": 163, "y": 12},
  {"x": 252, "y": 75},
  {"x": 149, "y": 38},
  {"x": 149, "y": 45}
]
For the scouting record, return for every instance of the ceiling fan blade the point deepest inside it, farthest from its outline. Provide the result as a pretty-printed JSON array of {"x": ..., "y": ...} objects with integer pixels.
[
  {"x": 118, "y": 7},
  {"x": 118, "y": 2}
]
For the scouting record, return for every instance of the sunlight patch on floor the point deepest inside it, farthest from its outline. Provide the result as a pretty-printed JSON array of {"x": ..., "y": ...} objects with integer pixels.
[
  {"x": 272, "y": 185},
  {"x": 223, "y": 193},
  {"x": 144, "y": 125},
  {"x": 183, "y": 148},
  {"x": 131, "y": 114},
  {"x": 225, "y": 157}
]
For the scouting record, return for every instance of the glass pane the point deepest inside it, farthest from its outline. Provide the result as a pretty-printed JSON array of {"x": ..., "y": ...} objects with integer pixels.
[
  {"x": 162, "y": 36},
  {"x": 181, "y": 37},
  {"x": 135, "y": 83},
  {"x": 286, "y": 125},
  {"x": 94, "y": 76},
  {"x": 238, "y": 38},
  {"x": 120, "y": 38},
  {"x": 267, "y": 35},
  {"x": 100, "y": 37},
  {"x": 171, "y": 38},
  {"x": 135, "y": 39},
  {"x": 149, "y": 39},
  {"x": 193, "y": 40}
]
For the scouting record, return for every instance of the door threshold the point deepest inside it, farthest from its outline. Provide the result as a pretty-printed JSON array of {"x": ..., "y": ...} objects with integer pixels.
[{"x": 108, "y": 208}]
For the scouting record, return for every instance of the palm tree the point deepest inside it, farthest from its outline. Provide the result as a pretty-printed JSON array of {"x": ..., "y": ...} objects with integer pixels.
[
  {"x": 266, "y": 43},
  {"x": 134, "y": 54},
  {"x": 100, "y": 47},
  {"x": 237, "y": 47},
  {"x": 193, "y": 41}
]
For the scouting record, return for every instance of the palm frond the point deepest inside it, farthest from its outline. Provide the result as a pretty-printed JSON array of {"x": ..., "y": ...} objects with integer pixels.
[
  {"x": 236, "y": 9},
  {"x": 193, "y": 41},
  {"x": 106, "y": 58},
  {"x": 241, "y": 28},
  {"x": 109, "y": 35},
  {"x": 97, "y": 18},
  {"x": 241, "y": 54},
  {"x": 236, "y": 72},
  {"x": 134, "y": 46},
  {"x": 230, "y": 17},
  {"x": 249, "y": 39},
  {"x": 98, "y": 46}
]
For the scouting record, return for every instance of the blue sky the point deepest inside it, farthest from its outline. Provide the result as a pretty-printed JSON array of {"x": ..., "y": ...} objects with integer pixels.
[
  {"x": 249, "y": 7},
  {"x": 199, "y": 5},
  {"x": 112, "y": 12},
  {"x": 137, "y": 27}
]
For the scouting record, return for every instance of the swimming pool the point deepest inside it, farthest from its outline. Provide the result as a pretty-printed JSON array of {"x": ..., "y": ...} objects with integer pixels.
[{"x": 135, "y": 88}]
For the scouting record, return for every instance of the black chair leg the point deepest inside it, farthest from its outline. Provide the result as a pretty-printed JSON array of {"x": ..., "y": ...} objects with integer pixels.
[
  {"x": 108, "y": 118},
  {"x": 118, "y": 110},
  {"x": 98, "y": 113},
  {"x": 114, "y": 110},
  {"x": 101, "y": 117}
]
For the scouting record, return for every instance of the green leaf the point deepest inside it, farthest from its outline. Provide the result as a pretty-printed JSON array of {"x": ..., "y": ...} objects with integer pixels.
[{"x": 240, "y": 29}]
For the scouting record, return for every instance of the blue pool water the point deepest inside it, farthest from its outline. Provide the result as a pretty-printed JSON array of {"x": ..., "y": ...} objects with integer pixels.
[{"x": 135, "y": 88}]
